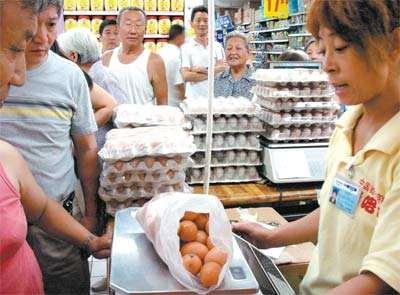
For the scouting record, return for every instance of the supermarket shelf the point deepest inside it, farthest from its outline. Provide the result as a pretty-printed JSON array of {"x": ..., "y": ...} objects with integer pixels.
[
  {"x": 156, "y": 36},
  {"x": 300, "y": 35},
  {"x": 267, "y": 52},
  {"x": 269, "y": 41},
  {"x": 270, "y": 30},
  {"x": 245, "y": 24},
  {"x": 152, "y": 13},
  {"x": 267, "y": 20},
  {"x": 298, "y": 13},
  {"x": 297, "y": 25}
]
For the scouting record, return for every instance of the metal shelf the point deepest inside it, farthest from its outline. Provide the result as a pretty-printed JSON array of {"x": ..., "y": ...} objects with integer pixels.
[
  {"x": 270, "y": 30},
  {"x": 151, "y": 13},
  {"x": 300, "y": 35},
  {"x": 269, "y": 41},
  {"x": 297, "y": 25}
]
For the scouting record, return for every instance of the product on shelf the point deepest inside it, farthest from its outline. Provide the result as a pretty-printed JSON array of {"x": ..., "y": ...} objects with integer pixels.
[
  {"x": 123, "y": 4},
  {"x": 111, "y": 5},
  {"x": 97, "y": 5},
  {"x": 137, "y": 3},
  {"x": 69, "y": 5},
  {"x": 161, "y": 43},
  {"x": 70, "y": 23},
  {"x": 164, "y": 5},
  {"x": 177, "y": 5},
  {"x": 228, "y": 123},
  {"x": 83, "y": 5},
  {"x": 221, "y": 105},
  {"x": 150, "y": 44},
  {"x": 225, "y": 141},
  {"x": 164, "y": 24},
  {"x": 152, "y": 25},
  {"x": 96, "y": 22},
  {"x": 228, "y": 158},
  {"x": 131, "y": 115},
  {"x": 299, "y": 132},
  {"x": 150, "y": 5},
  {"x": 234, "y": 174},
  {"x": 177, "y": 20},
  {"x": 84, "y": 22}
]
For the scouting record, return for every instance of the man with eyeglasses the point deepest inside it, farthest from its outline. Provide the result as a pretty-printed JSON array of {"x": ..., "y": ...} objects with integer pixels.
[
  {"x": 195, "y": 56},
  {"x": 141, "y": 73}
]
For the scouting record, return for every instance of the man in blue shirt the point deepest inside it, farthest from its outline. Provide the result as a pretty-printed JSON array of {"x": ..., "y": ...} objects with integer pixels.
[{"x": 235, "y": 81}]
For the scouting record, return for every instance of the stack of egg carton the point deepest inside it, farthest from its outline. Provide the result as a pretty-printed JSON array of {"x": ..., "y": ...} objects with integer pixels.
[
  {"x": 141, "y": 162},
  {"x": 297, "y": 104},
  {"x": 235, "y": 143}
]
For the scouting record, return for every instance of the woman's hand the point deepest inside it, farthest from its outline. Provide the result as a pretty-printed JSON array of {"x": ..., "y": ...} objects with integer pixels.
[
  {"x": 99, "y": 247},
  {"x": 255, "y": 233}
]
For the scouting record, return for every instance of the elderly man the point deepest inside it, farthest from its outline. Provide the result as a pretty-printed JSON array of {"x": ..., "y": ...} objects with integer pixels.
[
  {"x": 236, "y": 80},
  {"x": 140, "y": 73},
  {"x": 195, "y": 56},
  {"x": 43, "y": 119}
]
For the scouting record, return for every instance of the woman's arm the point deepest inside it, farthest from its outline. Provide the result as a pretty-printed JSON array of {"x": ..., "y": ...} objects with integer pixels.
[{"x": 103, "y": 104}]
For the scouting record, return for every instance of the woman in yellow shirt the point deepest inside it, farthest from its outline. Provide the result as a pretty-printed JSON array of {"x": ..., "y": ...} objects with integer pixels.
[{"x": 357, "y": 226}]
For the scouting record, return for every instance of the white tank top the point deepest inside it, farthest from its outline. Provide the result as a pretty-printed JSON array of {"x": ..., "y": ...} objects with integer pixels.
[{"x": 133, "y": 77}]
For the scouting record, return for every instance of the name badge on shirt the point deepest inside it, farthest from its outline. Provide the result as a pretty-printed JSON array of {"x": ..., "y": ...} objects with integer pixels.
[{"x": 345, "y": 195}]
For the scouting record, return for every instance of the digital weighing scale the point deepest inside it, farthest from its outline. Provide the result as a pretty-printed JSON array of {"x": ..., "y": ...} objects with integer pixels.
[
  {"x": 294, "y": 162},
  {"x": 137, "y": 269}
]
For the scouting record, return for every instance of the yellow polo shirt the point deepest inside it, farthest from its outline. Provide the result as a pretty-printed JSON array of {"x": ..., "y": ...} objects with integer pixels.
[{"x": 370, "y": 240}]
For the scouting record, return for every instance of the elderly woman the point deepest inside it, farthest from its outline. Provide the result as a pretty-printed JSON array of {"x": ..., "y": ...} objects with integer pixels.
[{"x": 236, "y": 80}]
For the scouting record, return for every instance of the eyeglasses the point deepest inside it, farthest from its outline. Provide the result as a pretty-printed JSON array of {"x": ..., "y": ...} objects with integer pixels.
[{"x": 134, "y": 25}]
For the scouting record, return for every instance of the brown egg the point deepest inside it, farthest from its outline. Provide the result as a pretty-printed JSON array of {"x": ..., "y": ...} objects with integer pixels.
[
  {"x": 216, "y": 255},
  {"x": 209, "y": 274},
  {"x": 119, "y": 165},
  {"x": 187, "y": 231},
  {"x": 171, "y": 174},
  {"x": 178, "y": 159},
  {"x": 192, "y": 263},
  {"x": 194, "y": 248},
  {"x": 141, "y": 175},
  {"x": 135, "y": 162},
  {"x": 201, "y": 221},
  {"x": 156, "y": 175},
  {"x": 210, "y": 245},
  {"x": 149, "y": 161},
  {"x": 163, "y": 161},
  {"x": 189, "y": 215},
  {"x": 112, "y": 177},
  {"x": 201, "y": 237},
  {"x": 127, "y": 175}
]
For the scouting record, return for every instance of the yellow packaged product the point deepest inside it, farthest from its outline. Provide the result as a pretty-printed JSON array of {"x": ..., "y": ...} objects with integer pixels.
[
  {"x": 84, "y": 22},
  {"x": 164, "y": 24},
  {"x": 177, "y": 21},
  {"x": 70, "y": 23},
  {"x": 123, "y": 4},
  {"x": 150, "y": 44},
  {"x": 111, "y": 5},
  {"x": 152, "y": 25},
  {"x": 96, "y": 22},
  {"x": 177, "y": 5},
  {"x": 82, "y": 4},
  {"x": 137, "y": 3},
  {"x": 161, "y": 43},
  {"x": 150, "y": 5},
  {"x": 69, "y": 4},
  {"x": 97, "y": 5},
  {"x": 164, "y": 5}
]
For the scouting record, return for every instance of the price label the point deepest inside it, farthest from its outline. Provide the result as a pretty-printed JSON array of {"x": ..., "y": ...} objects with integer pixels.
[{"x": 276, "y": 9}]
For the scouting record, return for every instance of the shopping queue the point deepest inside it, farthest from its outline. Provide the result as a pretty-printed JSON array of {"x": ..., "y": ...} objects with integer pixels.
[{"x": 40, "y": 120}]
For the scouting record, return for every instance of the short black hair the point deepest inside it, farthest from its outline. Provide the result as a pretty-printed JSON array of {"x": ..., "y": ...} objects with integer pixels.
[
  {"x": 105, "y": 23},
  {"x": 175, "y": 31},
  {"x": 197, "y": 9}
]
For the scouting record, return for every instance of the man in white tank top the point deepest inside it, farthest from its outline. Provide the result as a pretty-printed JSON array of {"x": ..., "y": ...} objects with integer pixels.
[{"x": 141, "y": 74}]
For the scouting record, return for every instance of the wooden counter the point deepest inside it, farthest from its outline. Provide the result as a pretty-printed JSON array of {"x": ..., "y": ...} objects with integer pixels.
[{"x": 233, "y": 195}]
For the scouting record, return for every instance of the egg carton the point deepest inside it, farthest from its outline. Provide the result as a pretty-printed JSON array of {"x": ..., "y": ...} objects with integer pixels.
[
  {"x": 311, "y": 91},
  {"x": 297, "y": 104},
  {"x": 129, "y": 179},
  {"x": 122, "y": 193},
  {"x": 225, "y": 174},
  {"x": 229, "y": 158},
  {"x": 228, "y": 124},
  {"x": 221, "y": 106},
  {"x": 290, "y": 77},
  {"x": 113, "y": 206},
  {"x": 312, "y": 133},
  {"x": 150, "y": 163},
  {"x": 305, "y": 118},
  {"x": 229, "y": 141}
]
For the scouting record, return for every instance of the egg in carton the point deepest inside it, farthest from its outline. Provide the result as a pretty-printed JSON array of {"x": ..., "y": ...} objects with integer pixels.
[
  {"x": 255, "y": 123},
  {"x": 198, "y": 158},
  {"x": 252, "y": 140},
  {"x": 232, "y": 122},
  {"x": 240, "y": 140},
  {"x": 243, "y": 123},
  {"x": 219, "y": 156},
  {"x": 199, "y": 124},
  {"x": 230, "y": 140},
  {"x": 241, "y": 157},
  {"x": 218, "y": 141},
  {"x": 218, "y": 173},
  {"x": 253, "y": 157},
  {"x": 252, "y": 172},
  {"x": 197, "y": 174},
  {"x": 241, "y": 173},
  {"x": 220, "y": 123},
  {"x": 230, "y": 156}
]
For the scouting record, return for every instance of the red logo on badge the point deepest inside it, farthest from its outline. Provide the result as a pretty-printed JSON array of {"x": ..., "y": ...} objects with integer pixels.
[{"x": 369, "y": 204}]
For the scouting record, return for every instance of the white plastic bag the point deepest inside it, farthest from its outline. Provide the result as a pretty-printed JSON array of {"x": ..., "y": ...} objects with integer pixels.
[{"x": 160, "y": 219}]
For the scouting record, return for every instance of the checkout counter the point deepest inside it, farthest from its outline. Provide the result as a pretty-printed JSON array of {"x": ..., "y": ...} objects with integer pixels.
[{"x": 135, "y": 267}]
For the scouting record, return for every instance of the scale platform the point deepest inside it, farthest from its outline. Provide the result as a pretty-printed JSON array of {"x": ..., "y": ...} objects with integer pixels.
[
  {"x": 294, "y": 163},
  {"x": 137, "y": 269}
]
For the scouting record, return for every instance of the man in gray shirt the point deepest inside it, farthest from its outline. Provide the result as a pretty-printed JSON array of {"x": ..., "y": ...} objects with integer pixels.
[
  {"x": 43, "y": 119},
  {"x": 236, "y": 80}
]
